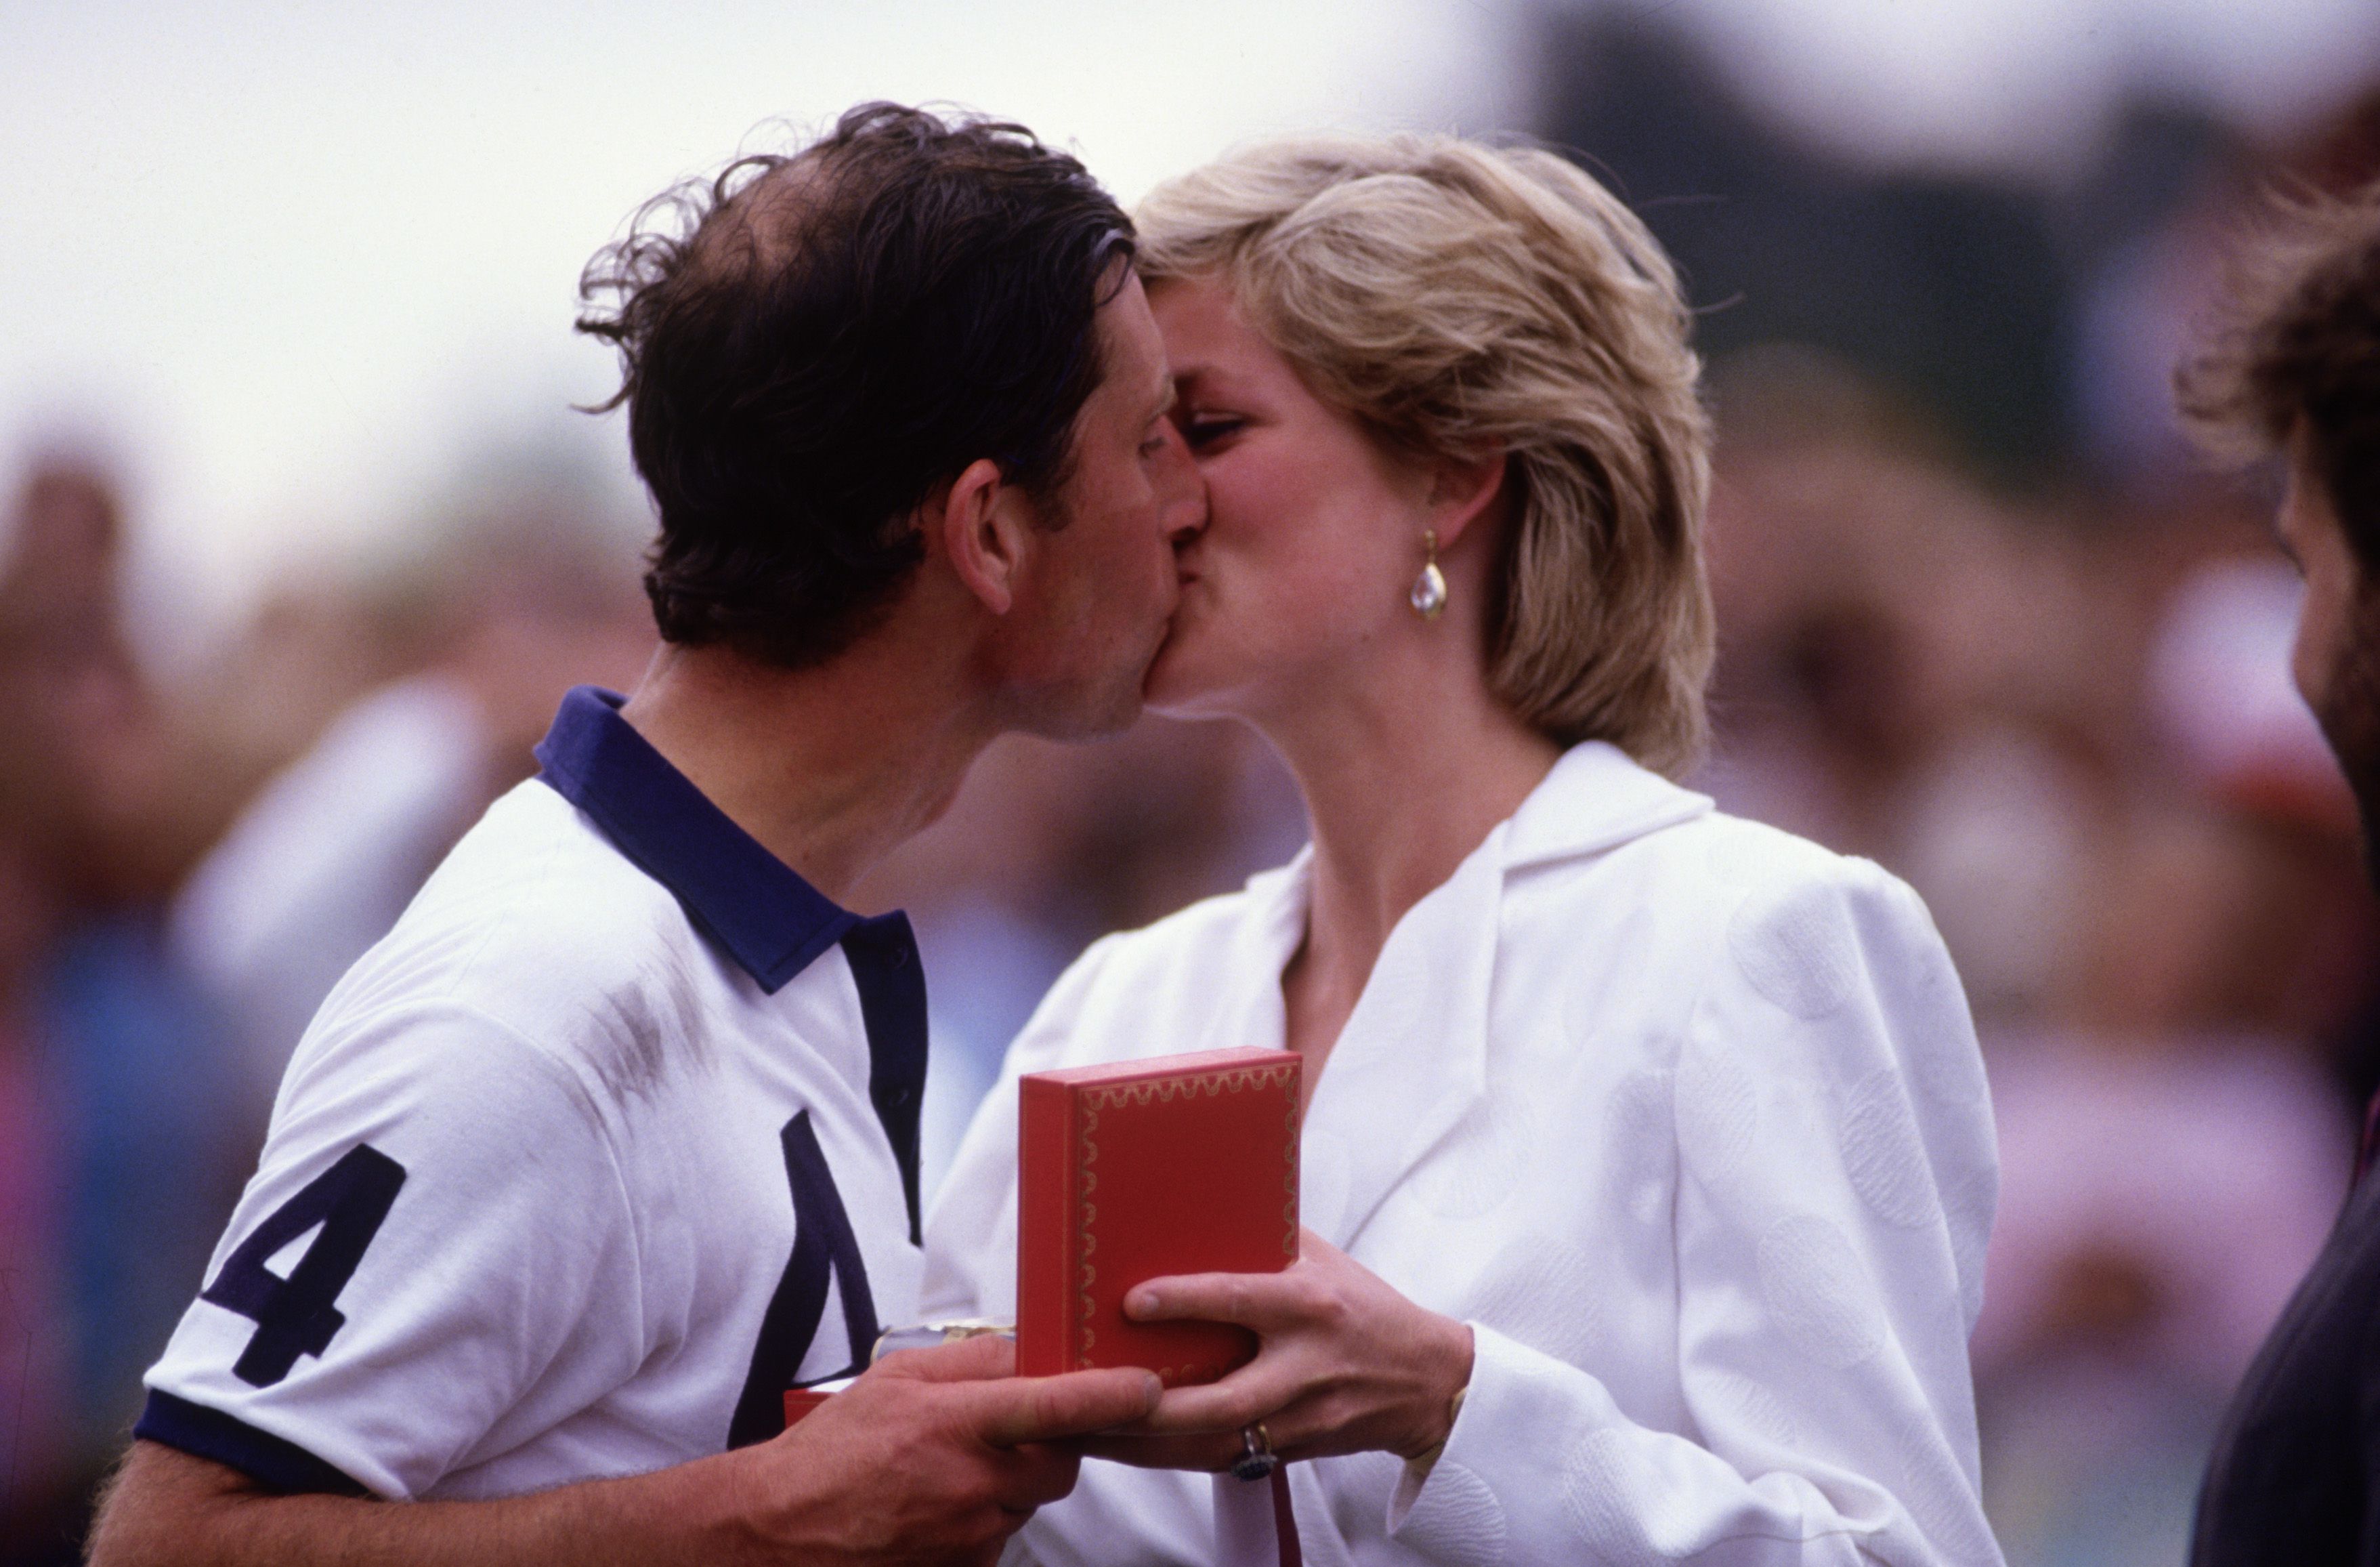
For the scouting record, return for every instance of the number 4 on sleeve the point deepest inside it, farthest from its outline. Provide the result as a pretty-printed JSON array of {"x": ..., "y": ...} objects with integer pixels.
[{"x": 297, "y": 1316}]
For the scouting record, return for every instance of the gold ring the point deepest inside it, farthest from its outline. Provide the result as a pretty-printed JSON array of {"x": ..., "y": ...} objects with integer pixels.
[{"x": 1256, "y": 1460}]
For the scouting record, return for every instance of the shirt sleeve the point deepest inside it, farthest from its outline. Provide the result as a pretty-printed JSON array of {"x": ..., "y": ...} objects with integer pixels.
[
  {"x": 431, "y": 1264},
  {"x": 1837, "y": 1180}
]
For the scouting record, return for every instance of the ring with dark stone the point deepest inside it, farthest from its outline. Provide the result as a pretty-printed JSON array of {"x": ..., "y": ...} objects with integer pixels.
[{"x": 1256, "y": 1460}]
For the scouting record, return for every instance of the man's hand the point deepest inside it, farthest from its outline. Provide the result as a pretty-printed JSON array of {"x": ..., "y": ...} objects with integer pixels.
[
  {"x": 934, "y": 1455},
  {"x": 1345, "y": 1364}
]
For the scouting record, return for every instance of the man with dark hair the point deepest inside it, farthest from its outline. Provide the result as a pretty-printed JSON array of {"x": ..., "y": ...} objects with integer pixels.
[
  {"x": 613, "y": 1142},
  {"x": 2294, "y": 371}
]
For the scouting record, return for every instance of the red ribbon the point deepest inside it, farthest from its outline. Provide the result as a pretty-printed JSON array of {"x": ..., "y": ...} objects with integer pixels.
[{"x": 1285, "y": 1520}]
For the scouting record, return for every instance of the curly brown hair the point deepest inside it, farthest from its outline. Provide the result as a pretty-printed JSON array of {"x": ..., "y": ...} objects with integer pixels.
[
  {"x": 811, "y": 343},
  {"x": 2294, "y": 355}
]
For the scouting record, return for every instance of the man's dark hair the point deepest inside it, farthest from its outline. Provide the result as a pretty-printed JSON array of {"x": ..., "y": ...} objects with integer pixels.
[
  {"x": 813, "y": 343},
  {"x": 2297, "y": 355}
]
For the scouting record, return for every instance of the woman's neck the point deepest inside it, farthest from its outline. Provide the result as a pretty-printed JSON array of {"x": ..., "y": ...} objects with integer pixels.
[{"x": 1403, "y": 779}]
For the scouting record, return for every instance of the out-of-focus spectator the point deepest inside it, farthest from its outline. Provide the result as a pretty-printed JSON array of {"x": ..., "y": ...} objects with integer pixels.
[
  {"x": 33, "y": 1330},
  {"x": 517, "y": 606},
  {"x": 2288, "y": 370},
  {"x": 115, "y": 1147},
  {"x": 2171, "y": 1155},
  {"x": 1905, "y": 666}
]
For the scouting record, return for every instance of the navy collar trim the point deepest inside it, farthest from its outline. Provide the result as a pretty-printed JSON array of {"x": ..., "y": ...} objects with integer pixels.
[{"x": 771, "y": 922}]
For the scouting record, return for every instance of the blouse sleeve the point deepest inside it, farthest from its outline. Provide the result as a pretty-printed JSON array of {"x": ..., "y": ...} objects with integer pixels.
[{"x": 1837, "y": 1176}]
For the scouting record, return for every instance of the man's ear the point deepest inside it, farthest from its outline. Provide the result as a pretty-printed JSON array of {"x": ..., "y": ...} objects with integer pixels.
[
  {"x": 984, "y": 525},
  {"x": 1463, "y": 489}
]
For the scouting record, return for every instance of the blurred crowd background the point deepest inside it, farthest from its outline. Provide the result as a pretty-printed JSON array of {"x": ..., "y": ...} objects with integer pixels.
[{"x": 1986, "y": 619}]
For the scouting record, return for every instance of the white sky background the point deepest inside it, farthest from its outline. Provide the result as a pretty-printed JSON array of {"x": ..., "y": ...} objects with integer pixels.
[{"x": 296, "y": 265}]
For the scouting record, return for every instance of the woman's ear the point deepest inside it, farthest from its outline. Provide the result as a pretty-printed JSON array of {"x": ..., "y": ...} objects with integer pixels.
[
  {"x": 983, "y": 525},
  {"x": 1463, "y": 489}
]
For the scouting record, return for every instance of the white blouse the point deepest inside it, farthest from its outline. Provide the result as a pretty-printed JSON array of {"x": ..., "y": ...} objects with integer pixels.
[{"x": 1682, "y": 1114}]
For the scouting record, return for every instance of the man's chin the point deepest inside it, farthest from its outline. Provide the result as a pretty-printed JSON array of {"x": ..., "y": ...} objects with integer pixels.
[
  {"x": 1084, "y": 713},
  {"x": 1171, "y": 681},
  {"x": 1092, "y": 720}
]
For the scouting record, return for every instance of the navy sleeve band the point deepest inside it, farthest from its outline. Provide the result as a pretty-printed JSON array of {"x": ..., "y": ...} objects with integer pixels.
[{"x": 233, "y": 1442}]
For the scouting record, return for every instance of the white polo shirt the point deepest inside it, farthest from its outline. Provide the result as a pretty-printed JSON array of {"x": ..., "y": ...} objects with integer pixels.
[{"x": 611, "y": 1141}]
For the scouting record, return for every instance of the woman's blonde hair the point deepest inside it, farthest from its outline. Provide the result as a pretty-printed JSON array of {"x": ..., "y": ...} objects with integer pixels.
[{"x": 1454, "y": 298}]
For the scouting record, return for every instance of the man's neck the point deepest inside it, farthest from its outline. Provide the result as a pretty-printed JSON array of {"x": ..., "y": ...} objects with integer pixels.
[{"x": 830, "y": 768}]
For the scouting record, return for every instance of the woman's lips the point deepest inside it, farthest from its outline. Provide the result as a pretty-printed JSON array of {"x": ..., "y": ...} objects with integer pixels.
[{"x": 1180, "y": 608}]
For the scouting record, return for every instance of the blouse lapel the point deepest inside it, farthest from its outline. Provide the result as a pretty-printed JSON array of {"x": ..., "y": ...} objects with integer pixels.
[
  {"x": 1412, "y": 1062},
  {"x": 1413, "y": 1058}
]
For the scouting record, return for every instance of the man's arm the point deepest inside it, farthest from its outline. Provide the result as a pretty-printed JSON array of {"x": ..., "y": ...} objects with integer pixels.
[{"x": 920, "y": 1460}]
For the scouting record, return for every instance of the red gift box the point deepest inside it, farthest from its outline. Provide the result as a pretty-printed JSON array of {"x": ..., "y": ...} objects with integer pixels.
[{"x": 1134, "y": 1170}]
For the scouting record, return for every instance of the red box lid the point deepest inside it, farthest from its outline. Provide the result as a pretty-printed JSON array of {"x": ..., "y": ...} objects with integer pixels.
[{"x": 1140, "y": 1169}]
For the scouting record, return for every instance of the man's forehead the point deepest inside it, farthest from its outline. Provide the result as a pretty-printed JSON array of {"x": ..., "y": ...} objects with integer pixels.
[{"x": 1133, "y": 348}]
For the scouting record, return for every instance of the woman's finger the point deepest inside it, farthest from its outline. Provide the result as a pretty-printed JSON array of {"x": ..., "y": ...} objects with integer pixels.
[
  {"x": 1264, "y": 1303},
  {"x": 1255, "y": 1391}
]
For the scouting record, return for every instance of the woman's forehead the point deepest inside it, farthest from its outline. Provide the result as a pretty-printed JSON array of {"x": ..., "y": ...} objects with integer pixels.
[{"x": 1210, "y": 345}]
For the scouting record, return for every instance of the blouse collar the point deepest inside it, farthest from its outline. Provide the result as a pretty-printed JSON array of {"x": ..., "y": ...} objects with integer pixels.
[{"x": 1412, "y": 1063}]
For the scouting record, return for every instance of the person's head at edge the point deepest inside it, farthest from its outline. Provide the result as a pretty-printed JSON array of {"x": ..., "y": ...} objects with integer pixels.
[
  {"x": 1386, "y": 342},
  {"x": 899, "y": 402},
  {"x": 2291, "y": 368}
]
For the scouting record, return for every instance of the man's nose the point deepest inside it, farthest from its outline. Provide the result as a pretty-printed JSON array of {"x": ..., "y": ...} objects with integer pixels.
[{"x": 1182, "y": 493}]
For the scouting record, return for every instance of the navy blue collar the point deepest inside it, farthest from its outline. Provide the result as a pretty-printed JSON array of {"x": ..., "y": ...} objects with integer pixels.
[{"x": 771, "y": 922}]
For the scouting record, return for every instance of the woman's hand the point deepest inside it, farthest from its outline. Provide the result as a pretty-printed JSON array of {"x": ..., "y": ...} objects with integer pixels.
[{"x": 1345, "y": 1364}]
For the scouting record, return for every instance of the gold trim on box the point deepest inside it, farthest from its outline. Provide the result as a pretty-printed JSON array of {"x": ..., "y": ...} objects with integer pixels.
[{"x": 1237, "y": 1080}]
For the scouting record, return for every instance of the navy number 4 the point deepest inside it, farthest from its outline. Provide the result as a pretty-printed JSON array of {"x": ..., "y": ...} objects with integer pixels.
[
  {"x": 297, "y": 1316},
  {"x": 825, "y": 1250}
]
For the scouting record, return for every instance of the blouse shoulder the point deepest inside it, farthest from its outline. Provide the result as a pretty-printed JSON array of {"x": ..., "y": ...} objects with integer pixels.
[
  {"x": 1131, "y": 992},
  {"x": 1196, "y": 937},
  {"x": 1760, "y": 879},
  {"x": 1764, "y": 935},
  {"x": 1715, "y": 881}
]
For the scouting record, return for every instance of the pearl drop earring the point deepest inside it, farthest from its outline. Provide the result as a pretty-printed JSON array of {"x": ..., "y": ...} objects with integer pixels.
[{"x": 1428, "y": 595}]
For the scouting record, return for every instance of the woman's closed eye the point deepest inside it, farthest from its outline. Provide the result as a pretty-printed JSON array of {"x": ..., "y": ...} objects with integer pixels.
[{"x": 1202, "y": 431}]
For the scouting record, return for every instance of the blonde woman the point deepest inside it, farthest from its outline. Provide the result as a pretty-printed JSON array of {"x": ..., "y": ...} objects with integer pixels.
[{"x": 1647, "y": 1158}]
